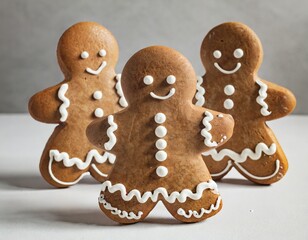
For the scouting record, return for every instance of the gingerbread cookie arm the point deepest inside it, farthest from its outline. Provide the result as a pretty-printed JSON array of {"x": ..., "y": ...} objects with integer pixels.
[
  {"x": 275, "y": 101},
  {"x": 102, "y": 133},
  {"x": 45, "y": 106},
  {"x": 216, "y": 128}
]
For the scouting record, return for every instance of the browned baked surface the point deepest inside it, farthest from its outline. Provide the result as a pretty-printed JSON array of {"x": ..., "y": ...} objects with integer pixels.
[
  {"x": 232, "y": 54},
  {"x": 84, "y": 45}
]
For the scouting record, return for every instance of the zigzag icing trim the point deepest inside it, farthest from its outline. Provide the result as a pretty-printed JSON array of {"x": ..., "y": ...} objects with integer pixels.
[
  {"x": 118, "y": 212},
  {"x": 55, "y": 155},
  {"x": 81, "y": 165},
  {"x": 205, "y": 132},
  {"x": 200, "y": 92},
  {"x": 203, "y": 211},
  {"x": 66, "y": 102},
  {"x": 110, "y": 133},
  {"x": 229, "y": 165},
  {"x": 171, "y": 198},
  {"x": 261, "y": 98},
  {"x": 242, "y": 157},
  {"x": 122, "y": 100}
]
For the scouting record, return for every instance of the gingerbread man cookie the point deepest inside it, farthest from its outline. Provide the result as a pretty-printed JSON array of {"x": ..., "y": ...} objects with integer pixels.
[
  {"x": 87, "y": 54},
  {"x": 158, "y": 140},
  {"x": 231, "y": 54}
]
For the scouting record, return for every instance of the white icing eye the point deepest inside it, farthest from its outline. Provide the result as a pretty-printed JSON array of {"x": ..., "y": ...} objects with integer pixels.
[
  {"x": 171, "y": 79},
  {"x": 217, "y": 54},
  {"x": 102, "y": 52},
  {"x": 148, "y": 80},
  {"x": 84, "y": 55},
  {"x": 238, "y": 53}
]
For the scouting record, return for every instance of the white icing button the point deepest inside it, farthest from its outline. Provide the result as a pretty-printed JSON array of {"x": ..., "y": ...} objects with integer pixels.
[
  {"x": 148, "y": 80},
  {"x": 160, "y": 118},
  {"x": 84, "y": 55},
  {"x": 229, "y": 90},
  {"x": 161, "y": 144},
  {"x": 102, "y": 52},
  {"x": 162, "y": 171},
  {"x": 220, "y": 115},
  {"x": 171, "y": 79},
  {"x": 217, "y": 54},
  {"x": 160, "y": 131},
  {"x": 161, "y": 156},
  {"x": 238, "y": 53},
  {"x": 97, "y": 95},
  {"x": 228, "y": 104},
  {"x": 99, "y": 112}
]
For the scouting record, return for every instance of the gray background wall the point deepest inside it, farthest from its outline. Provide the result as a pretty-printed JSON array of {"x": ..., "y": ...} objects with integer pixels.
[{"x": 29, "y": 31}]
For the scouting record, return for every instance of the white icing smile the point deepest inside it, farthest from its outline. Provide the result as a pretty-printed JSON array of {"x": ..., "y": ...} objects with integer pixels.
[
  {"x": 238, "y": 66},
  {"x": 169, "y": 95},
  {"x": 98, "y": 71}
]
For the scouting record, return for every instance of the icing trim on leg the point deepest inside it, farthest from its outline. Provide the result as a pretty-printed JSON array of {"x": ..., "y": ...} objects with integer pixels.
[
  {"x": 257, "y": 177},
  {"x": 98, "y": 171},
  {"x": 170, "y": 198},
  {"x": 81, "y": 165},
  {"x": 205, "y": 132},
  {"x": 55, "y": 155},
  {"x": 200, "y": 92},
  {"x": 61, "y": 182},
  {"x": 118, "y": 212},
  {"x": 229, "y": 165},
  {"x": 203, "y": 211},
  {"x": 242, "y": 157}
]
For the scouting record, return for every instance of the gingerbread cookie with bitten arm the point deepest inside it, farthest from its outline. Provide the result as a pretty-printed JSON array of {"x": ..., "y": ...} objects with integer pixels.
[
  {"x": 231, "y": 54},
  {"x": 87, "y": 54},
  {"x": 158, "y": 140}
]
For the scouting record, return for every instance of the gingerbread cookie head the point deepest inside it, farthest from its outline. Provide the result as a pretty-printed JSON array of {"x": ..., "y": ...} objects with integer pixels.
[
  {"x": 161, "y": 84},
  {"x": 86, "y": 49},
  {"x": 231, "y": 48}
]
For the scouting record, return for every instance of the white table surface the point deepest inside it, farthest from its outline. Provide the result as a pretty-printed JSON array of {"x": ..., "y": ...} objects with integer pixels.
[{"x": 31, "y": 209}]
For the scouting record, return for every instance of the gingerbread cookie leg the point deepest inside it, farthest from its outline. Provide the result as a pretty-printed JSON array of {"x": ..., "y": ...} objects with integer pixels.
[
  {"x": 100, "y": 168},
  {"x": 196, "y": 210},
  {"x": 266, "y": 165},
  {"x": 64, "y": 163},
  {"x": 122, "y": 209},
  {"x": 218, "y": 169}
]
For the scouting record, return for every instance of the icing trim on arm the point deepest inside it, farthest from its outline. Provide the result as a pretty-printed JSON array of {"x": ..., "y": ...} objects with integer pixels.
[
  {"x": 200, "y": 92},
  {"x": 110, "y": 133},
  {"x": 122, "y": 100},
  {"x": 118, "y": 212},
  {"x": 205, "y": 132},
  {"x": 203, "y": 211},
  {"x": 261, "y": 98},
  {"x": 242, "y": 157},
  {"x": 65, "y": 102},
  {"x": 170, "y": 198}
]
